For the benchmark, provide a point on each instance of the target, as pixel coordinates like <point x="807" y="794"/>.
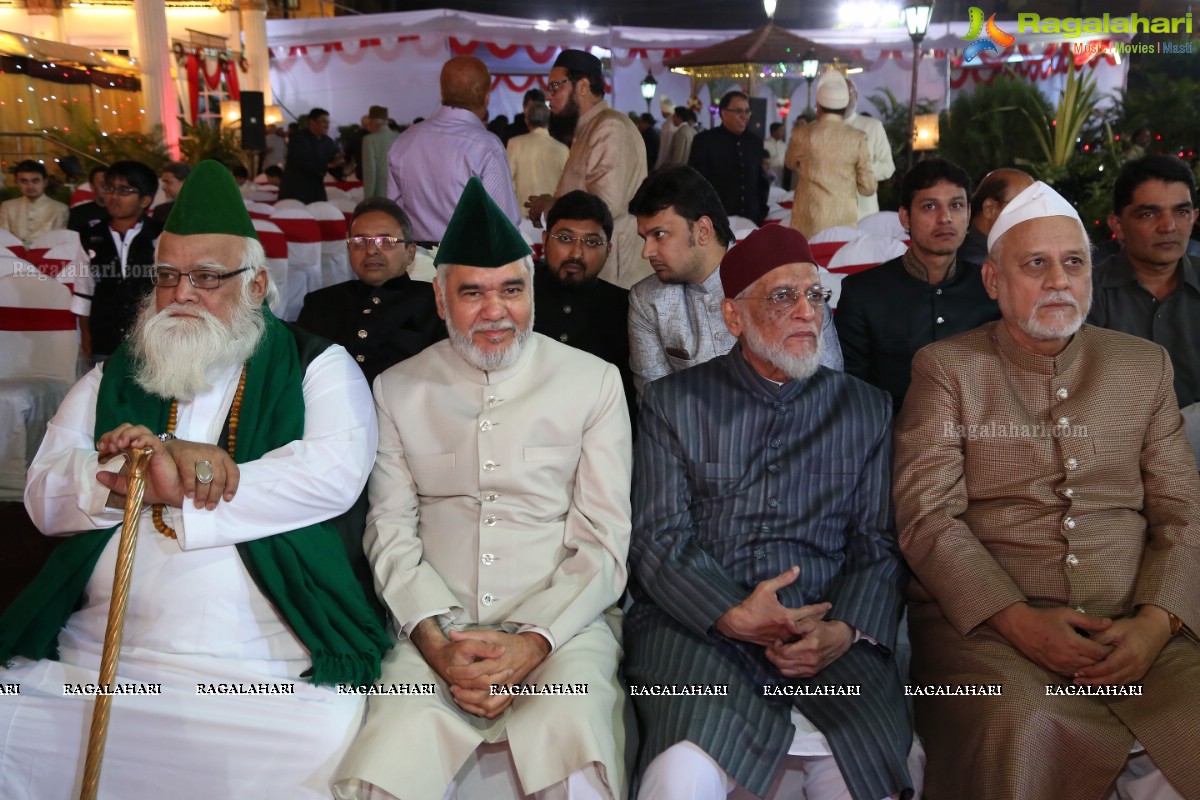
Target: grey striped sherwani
<point x="735" y="480"/>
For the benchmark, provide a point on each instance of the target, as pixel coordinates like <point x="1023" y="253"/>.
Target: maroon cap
<point x="763" y="250"/>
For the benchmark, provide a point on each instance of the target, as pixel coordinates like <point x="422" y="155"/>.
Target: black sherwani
<point x="735" y="480"/>
<point x="592" y="317"/>
<point x="379" y="326"/>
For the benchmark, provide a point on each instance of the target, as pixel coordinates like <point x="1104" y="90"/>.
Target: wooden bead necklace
<point x="235" y="411"/>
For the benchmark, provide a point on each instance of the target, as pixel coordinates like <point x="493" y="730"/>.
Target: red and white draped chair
<point x="265" y="193"/>
<point x="40" y="346"/>
<point x="346" y="205"/>
<point x="84" y="193"/>
<point x="290" y="202"/>
<point x="10" y="242"/>
<point x="882" y="223"/>
<point x="824" y="244"/>
<point x="260" y="210"/>
<point x="335" y="261"/>
<point x="867" y="251"/>
<point x="422" y="268"/>
<point x="303" y="236"/>
<point x="276" y="248"/>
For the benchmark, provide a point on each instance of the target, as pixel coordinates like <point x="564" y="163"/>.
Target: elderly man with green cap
<point x="244" y="611"/>
<point x="498" y="532"/>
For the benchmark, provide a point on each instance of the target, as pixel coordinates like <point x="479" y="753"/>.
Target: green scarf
<point x="305" y="573"/>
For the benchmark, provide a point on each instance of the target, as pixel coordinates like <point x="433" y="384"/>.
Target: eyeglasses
<point x="554" y="86"/>
<point x="384" y="243"/>
<point x="593" y="242"/>
<point x="741" y="112"/>
<point x="167" y="277"/>
<point x="786" y="297"/>
<point x="121" y="191"/>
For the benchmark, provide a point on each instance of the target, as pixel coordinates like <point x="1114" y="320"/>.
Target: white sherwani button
<point x="490" y="520"/>
<point x="1062" y="393"/>
<point x="1073" y="560"/>
<point x="1069" y="523"/>
<point x="488" y="599"/>
<point x="1072" y="463"/>
<point x="487" y="559"/>
<point x="490" y="465"/>
<point x="485" y="426"/>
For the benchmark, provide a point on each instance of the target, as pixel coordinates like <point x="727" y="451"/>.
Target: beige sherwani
<point x="1061" y="480"/>
<point x="536" y="160"/>
<point x="27" y="221"/>
<point x="500" y="500"/>
<point x="833" y="167"/>
<point x="608" y="158"/>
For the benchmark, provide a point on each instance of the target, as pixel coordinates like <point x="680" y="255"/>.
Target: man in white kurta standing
<point x="498" y="532"/>
<point x="243" y="601"/>
<point x="608" y="159"/>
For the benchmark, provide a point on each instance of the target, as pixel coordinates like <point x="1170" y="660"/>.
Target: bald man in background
<point x="995" y="190"/>
<point x="430" y="163"/>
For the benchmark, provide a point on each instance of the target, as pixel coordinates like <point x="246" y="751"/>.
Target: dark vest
<point x="116" y="297"/>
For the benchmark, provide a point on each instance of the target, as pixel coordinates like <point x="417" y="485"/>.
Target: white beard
<point x="176" y="355"/>
<point x="1062" y="326"/>
<point x="796" y="367"/>
<point x="491" y="360"/>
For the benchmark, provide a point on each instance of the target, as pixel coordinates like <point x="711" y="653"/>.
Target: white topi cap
<point x="664" y="103"/>
<point x="832" y="91"/>
<point x="1033" y="202"/>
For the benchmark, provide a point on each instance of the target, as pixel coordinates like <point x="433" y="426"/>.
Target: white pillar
<point x="154" y="56"/>
<point x="254" y="33"/>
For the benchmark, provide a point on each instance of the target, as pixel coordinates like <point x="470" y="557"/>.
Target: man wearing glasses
<point x="764" y="567"/>
<point x="120" y="246"/>
<point x="383" y="316"/>
<point x="574" y="305"/>
<point x="243" y="609"/>
<point x="608" y="158"/>
<point x="731" y="159"/>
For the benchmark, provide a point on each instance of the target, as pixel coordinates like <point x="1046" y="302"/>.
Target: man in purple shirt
<point x="430" y="163"/>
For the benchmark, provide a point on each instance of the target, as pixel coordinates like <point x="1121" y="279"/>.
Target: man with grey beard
<point x="244" y="613"/>
<point x="498" y="531"/>
<point x="1048" y="503"/>
<point x="764" y="559"/>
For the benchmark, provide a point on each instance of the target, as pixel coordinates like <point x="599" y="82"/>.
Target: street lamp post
<point x="808" y="68"/>
<point x="917" y="14"/>
<point x="649" y="87"/>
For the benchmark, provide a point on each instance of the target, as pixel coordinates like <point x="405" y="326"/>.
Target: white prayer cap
<point x="832" y="91"/>
<point x="1035" y="201"/>
<point x="665" y="103"/>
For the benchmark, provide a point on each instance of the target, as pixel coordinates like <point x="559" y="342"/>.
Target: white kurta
<point x="194" y="617"/>
<point x="500" y="500"/>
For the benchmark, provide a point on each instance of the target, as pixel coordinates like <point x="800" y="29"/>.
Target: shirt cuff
<point x="411" y="624"/>
<point x="859" y="636"/>
<point x="543" y="632"/>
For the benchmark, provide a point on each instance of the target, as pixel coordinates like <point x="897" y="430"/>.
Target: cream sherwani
<point x="882" y="164"/>
<point x="536" y="160"/>
<point x="27" y="221"/>
<point x="833" y="167"/>
<point x="608" y="158"/>
<point x="500" y="500"/>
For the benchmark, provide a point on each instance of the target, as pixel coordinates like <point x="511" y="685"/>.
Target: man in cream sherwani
<point x="498" y="532"/>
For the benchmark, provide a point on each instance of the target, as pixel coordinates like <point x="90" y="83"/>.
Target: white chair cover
<point x="882" y="223"/>
<point x="304" y="255"/>
<point x="867" y="250"/>
<point x="276" y="248"/>
<point x="335" y="260"/>
<point x="288" y="203"/>
<point x="422" y="268"/>
<point x="741" y="227"/>
<point x="38" y="365"/>
<point x="777" y="194"/>
<point x="838" y="233"/>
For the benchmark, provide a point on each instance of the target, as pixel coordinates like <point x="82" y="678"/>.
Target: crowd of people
<point x="641" y="516"/>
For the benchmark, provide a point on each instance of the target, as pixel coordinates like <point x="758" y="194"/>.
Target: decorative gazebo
<point x="764" y="54"/>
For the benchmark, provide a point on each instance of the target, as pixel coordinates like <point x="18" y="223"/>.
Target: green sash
<point x="305" y="573"/>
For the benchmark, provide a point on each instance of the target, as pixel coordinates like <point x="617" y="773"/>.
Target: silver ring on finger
<point x="204" y="473"/>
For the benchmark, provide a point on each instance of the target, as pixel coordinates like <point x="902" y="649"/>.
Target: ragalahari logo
<point x="995" y="39"/>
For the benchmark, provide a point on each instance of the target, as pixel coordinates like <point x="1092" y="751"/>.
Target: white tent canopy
<point x="346" y="64"/>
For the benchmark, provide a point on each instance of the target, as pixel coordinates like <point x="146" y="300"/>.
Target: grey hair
<point x="254" y="260"/>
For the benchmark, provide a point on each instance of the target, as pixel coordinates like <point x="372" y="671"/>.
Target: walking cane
<point x="138" y="459"/>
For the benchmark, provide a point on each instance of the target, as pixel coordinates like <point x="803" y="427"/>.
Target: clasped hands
<point x="171" y="472"/>
<point x="1092" y="650"/>
<point x="471" y="661"/>
<point x="798" y="641"/>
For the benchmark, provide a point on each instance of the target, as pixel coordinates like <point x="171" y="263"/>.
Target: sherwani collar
<point x="1034" y="362"/>
<point x="471" y="374"/>
<point x="761" y="386"/>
